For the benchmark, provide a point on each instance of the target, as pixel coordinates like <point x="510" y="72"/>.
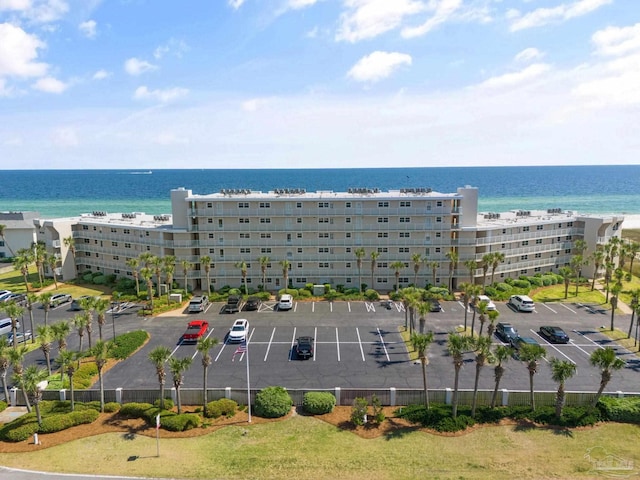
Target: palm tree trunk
<point x="604" y="380"/>
<point x="204" y="391"/>
<point x="72" y="392"/>
<point x="179" y="400"/>
<point x="161" y="395"/>
<point x="424" y="382"/>
<point x="531" y="393"/>
<point x="454" y="401"/>
<point x="475" y="390"/>
<point x="4" y="386"/>
<point x="47" y="357"/>
<point x="26" y="399"/>
<point x="633" y="314"/>
<point x="101" y="390"/>
<point x="560" y="400"/>
<point x="499" y="371"/>
<point x="473" y="321"/>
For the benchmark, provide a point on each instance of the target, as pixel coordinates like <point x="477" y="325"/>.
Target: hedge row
<point x="625" y="410"/>
<point x="128" y="343"/>
<point x="223" y="406"/>
<point x="318" y="403"/>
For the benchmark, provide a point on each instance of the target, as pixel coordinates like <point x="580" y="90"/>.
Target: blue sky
<point x="318" y="83"/>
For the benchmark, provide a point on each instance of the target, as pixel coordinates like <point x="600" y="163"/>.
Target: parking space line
<point x="295" y="307"/>
<point x="208" y="335"/>
<point x="315" y="335"/>
<point x="584" y="336"/>
<point x="293" y="339"/>
<point x="570" y="309"/>
<point x="547" y="306"/>
<point x="370" y="307"/>
<point x="360" y="343"/>
<point x="337" y="344"/>
<point x="176" y="349"/>
<point x="551" y="345"/>
<point x="313" y="307"/>
<point x="266" y="354"/>
<point x="383" y="344"/>
<point x="399" y="306"/>
<point x="224" y="344"/>
<point x="331" y="306"/>
<point x="578" y="347"/>
<point x="349" y="306"/>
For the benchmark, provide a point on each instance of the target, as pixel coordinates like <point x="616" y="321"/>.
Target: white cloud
<point x="101" y="75"/>
<point x="47" y="11"/>
<point x="378" y="65"/>
<point x="298" y="4"/>
<point x="134" y="66"/>
<point x="235" y="4"/>
<point x="163" y="96"/>
<point x="15" y="141"/>
<point x="4" y="90"/>
<point x="168" y="138"/>
<point x="64" y="137"/>
<point x="528" y="54"/>
<point x="617" y="40"/>
<point x="560" y="13"/>
<point x="516" y="78"/>
<point x="254" y="104"/>
<point x="88" y="28"/>
<point x="173" y="46"/>
<point x="15" y="5"/>
<point x="50" y="85"/>
<point x="442" y="11"/>
<point x="18" y="52"/>
<point x="369" y="18"/>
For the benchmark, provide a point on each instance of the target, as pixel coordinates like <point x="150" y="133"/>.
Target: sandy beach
<point x="631" y="222"/>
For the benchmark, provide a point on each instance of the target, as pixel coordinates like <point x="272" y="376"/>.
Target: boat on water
<point x="149" y="172"/>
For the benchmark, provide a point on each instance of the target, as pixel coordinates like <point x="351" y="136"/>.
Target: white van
<point x="5" y="326"/>
<point x="286" y="302"/>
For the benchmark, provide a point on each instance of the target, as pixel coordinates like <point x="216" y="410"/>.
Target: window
<point x="526" y="229"/>
<point x="86" y="240"/>
<point x="85" y="227"/>
<point x="404" y="235"/>
<point x="299" y="205"/>
<point x="212" y="250"/>
<point x="323" y="235"/>
<point x="265" y="250"/>
<point x="114" y="244"/>
<point x="537" y="269"/>
<point x="265" y="235"/>
<point x="523" y="271"/>
<point x="403" y="279"/>
<point x="539" y="227"/>
<point x="438" y="250"/>
<point x="382" y="265"/>
<point x="403" y="250"/>
<point x="211" y="235"/>
<point x="347" y="220"/>
<point x="87" y="254"/>
<point x="265" y="204"/>
<point x="383" y="235"/>
<point x="348" y="265"/>
<point x="323" y="250"/>
<point x="524" y="257"/>
<point x="245" y="250"/>
<point x="438" y="234"/>
<point x="220" y="222"/>
<point x="243" y="204"/>
<point x="438" y="219"/>
<point x="381" y="280"/>
<point x="209" y="205"/>
<point x="265" y="220"/>
<point x="538" y="255"/>
<point x="324" y="220"/>
<point x="126" y="231"/>
<point x="323" y="204"/>
<point x="222" y="252"/>
<point x="245" y="235"/>
<point x="538" y="241"/>
<point x="209" y="220"/>
<point x="383" y="249"/>
<point x="348" y="235"/>
<point x="127" y="245"/>
<point x="569" y="224"/>
<point x="116" y="257"/>
<point x="298" y="220"/>
<point x="113" y="230"/>
<point x="323" y="265"/>
<point x="439" y="203"/>
<point x="525" y="242"/>
<point x="503" y="245"/>
<point x="243" y="220"/>
<point x="299" y="264"/>
<point x="348" y="250"/>
<point x="348" y="280"/>
<point x="383" y="204"/>
<point x="405" y="204"/>
<point x="301" y="280"/>
<point x="383" y="220"/>
<point x="347" y="205"/>
<point x="298" y="235"/>
<point x="405" y="219"/>
<point x="299" y="250"/>
<point x="567" y="250"/>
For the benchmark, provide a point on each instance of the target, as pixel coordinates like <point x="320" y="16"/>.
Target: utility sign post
<point x="158" y="435"/>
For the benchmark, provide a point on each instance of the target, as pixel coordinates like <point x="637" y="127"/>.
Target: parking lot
<point x="357" y="344"/>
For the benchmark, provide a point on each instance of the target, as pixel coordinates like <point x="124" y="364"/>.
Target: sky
<point x="318" y="83"/>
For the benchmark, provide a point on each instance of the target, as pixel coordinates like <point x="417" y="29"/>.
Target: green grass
<point x="555" y="293"/>
<point x="621" y="339"/>
<point x="304" y="447"/>
<point x="13" y="281"/>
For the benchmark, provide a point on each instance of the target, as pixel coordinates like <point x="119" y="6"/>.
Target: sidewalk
<point x="623" y="307"/>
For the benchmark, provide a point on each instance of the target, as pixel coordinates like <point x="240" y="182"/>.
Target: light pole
<point x="113" y="321"/>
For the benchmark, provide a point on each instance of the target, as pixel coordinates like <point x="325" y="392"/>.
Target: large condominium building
<point x="318" y="236"/>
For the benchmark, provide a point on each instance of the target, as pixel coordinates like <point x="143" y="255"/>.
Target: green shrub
<point x="134" y="409"/>
<point x="84" y="376"/>
<point x="535" y="281"/>
<point x="223" y="406"/>
<point x="3" y="405"/>
<point x="273" y="402"/>
<point x="318" y="403"/>
<point x="378" y="412"/>
<point x="128" y="343"/>
<point x="450" y="424"/>
<point x="371" y="295"/>
<point x="180" y="423"/>
<point x="100" y="280"/>
<point x="111" y="407"/>
<point x="620" y="409"/>
<point x="503" y="287"/>
<point x="304" y="293"/>
<point x="524" y="284"/>
<point x="359" y="411"/>
<point x="21" y="432"/>
<point x="56" y="423"/>
<point x="168" y="404"/>
<point x="213" y="410"/>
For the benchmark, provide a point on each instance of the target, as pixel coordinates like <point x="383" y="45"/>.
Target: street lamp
<point x="113" y="321"/>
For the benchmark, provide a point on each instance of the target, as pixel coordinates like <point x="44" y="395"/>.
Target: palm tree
<point x="52" y="263"/>
<point x="63" y="359"/>
<point x="88" y="305"/>
<point x="204" y="346"/>
<point x="598" y="257"/>
<point x="471" y="265"/>
<point x="497" y="259"/>
<point x="156" y="265"/>
<point x="45" y="300"/>
<point x="80" y="322"/>
<point x="474" y="291"/>
<point x="635" y="302"/>
<point x="561" y="371"/>
<point x="45" y="338"/>
<point x="16" y="357"/>
<point x="178" y="366"/>
<point x="608" y="272"/>
<point x="147" y="275"/>
<point x="134" y="264"/>
<point x="159" y="356"/>
<point x="61" y="331"/>
<point x="493" y="316"/>
<point x="70" y="357"/>
<point x="32" y="299"/>
<point x="205" y="262"/>
<point x="374" y="257"/>
<point x="39" y="254"/>
<point x="487" y="260"/>
<point x="433" y="265"/>
<point x="565" y="273"/>
<point x="482" y="315"/>
<point x="100" y="353"/>
<point x="30" y="381"/>
<point x="70" y="243"/>
<point x="632" y="250"/>
<point x="531" y="354"/>
<point x="466" y="298"/>
<point x="14" y="312"/>
<point x="101" y="305"/>
<point x="169" y="268"/>
<point x="576" y="264"/>
<point x="397" y="266"/>
<point x="242" y="265"/>
<point x="482" y="347"/>
<point x="453" y="257"/>
<point x="359" y="253"/>
<point x="186" y="265"/>
<point x="457" y="346"/>
<point x="264" y="264"/>
<point x="4" y="239"/>
<point x="615" y="292"/>
<point x="416" y="258"/>
<point x="607" y="361"/>
<point x="423" y="310"/>
<point x="4" y="365"/>
<point x="285" y="272"/>
<point x="501" y="354"/>
<point x="421" y="344"/>
<point x="21" y="262"/>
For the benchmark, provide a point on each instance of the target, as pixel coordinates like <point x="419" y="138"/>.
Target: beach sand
<point x="631" y="222"/>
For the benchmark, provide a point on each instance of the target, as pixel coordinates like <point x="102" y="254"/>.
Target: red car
<point x="195" y="330"/>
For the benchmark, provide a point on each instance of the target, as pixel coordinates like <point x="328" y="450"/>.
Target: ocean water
<point x="61" y="193"/>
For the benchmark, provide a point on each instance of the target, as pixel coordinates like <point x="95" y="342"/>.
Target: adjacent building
<point x="18" y="232"/>
<point x="316" y="235"/>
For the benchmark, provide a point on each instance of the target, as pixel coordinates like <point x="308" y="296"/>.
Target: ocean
<point x="63" y="193"/>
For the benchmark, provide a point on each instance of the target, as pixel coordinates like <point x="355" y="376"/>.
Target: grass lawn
<point x="621" y="339"/>
<point x="13" y="281"/>
<point x="555" y="293"/>
<point x="305" y="447"/>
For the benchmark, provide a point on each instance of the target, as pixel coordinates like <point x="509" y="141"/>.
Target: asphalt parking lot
<point x="357" y="344"/>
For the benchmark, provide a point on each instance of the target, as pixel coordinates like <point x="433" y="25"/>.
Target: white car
<point x="20" y="337"/>
<point x="4" y="294"/>
<point x="286" y="302"/>
<point x="238" y="331"/>
<point x="522" y="303"/>
<point x="490" y="304"/>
